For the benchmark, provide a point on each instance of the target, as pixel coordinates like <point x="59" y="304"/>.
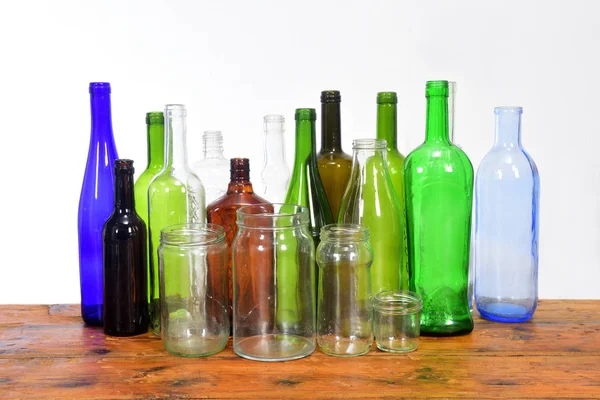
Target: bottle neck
<point x="508" y="130"/>
<point x="175" y="152"/>
<point x="387" y="118"/>
<point x="124" y="198"/>
<point x="240" y="182"/>
<point x="213" y="146"/>
<point x="156" y="145"/>
<point x="305" y="143"/>
<point x="437" y="119"/>
<point x="101" y="116"/>
<point x="274" y="149"/>
<point x="331" y="134"/>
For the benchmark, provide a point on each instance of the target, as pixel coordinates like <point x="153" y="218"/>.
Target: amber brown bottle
<point x="124" y="258"/>
<point x="334" y="165"/>
<point x="223" y="210"/>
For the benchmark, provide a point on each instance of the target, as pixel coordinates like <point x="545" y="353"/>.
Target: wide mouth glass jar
<point x="397" y="320"/>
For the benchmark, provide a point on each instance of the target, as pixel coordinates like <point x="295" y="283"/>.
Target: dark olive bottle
<point x="334" y="165"/>
<point x="124" y="257"/>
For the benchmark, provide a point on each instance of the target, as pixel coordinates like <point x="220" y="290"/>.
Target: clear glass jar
<point x="193" y="289"/>
<point x="397" y="320"/>
<point x="273" y="283"/>
<point x="344" y="310"/>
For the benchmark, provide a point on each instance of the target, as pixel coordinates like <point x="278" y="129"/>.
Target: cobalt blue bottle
<point x="96" y="203"/>
<point x="507" y="195"/>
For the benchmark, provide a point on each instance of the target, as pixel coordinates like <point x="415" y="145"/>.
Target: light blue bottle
<point x="507" y="192"/>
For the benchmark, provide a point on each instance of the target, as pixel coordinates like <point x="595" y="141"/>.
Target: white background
<point x="231" y="62"/>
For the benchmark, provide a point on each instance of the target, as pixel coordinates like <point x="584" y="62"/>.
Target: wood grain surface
<point x="47" y="352"/>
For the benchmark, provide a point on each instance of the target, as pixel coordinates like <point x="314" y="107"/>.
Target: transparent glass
<point x="396" y="321"/>
<point x="213" y="169"/>
<point x="274" y="292"/>
<point x="451" y="108"/>
<point x="96" y="203"/>
<point x="438" y="180"/>
<point x="370" y="200"/>
<point x="344" y="309"/>
<point x="155" y="128"/>
<point x="334" y="165"/>
<point x="507" y="195"/>
<point x="175" y="196"/>
<point x="193" y="289"/>
<point x="276" y="173"/>
<point x="387" y="129"/>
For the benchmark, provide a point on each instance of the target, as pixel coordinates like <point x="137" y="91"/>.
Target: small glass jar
<point x="344" y="311"/>
<point x="193" y="289"/>
<point x="273" y="283"/>
<point x="397" y="321"/>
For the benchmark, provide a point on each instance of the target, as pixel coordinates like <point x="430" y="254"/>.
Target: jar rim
<point x="401" y="301"/>
<point x="345" y="232"/>
<point x="369" y="144"/>
<point x="192" y="234"/>
<point x="272" y="216"/>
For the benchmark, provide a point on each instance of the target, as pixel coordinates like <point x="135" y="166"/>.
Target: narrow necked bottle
<point x="125" y="267"/>
<point x="155" y="132"/>
<point x="223" y="210"/>
<point x="334" y="164"/>
<point x="438" y="179"/>
<point x="387" y="116"/>
<point x="175" y="196"/>
<point x="96" y="203"/>
<point x="306" y="188"/>
<point x="213" y="169"/>
<point x="507" y="194"/>
<point x="276" y="173"/>
<point x="370" y="200"/>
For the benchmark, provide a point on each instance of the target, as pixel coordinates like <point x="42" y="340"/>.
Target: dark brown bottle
<point x="223" y="210"/>
<point x="124" y="257"/>
<point x="334" y="165"/>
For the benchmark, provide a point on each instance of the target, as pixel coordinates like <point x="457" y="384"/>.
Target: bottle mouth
<point x="175" y="109"/>
<point x="192" y="234"/>
<point x="99" y="88"/>
<point x="155" y="118"/>
<point x="436" y="88"/>
<point x="331" y="96"/>
<point x="239" y="165"/>
<point x="402" y="302"/>
<point x="306" y="114"/>
<point x="272" y="216"/>
<point x="508" y="110"/>
<point x="124" y="165"/>
<point x="345" y="233"/>
<point x="387" y="98"/>
<point x="275" y="118"/>
<point x="369" y="144"/>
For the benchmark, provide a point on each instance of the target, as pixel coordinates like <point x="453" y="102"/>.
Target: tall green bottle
<point x="439" y="192"/>
<point x="305" y="189"/>
<point x="387" y="116"/>
<point x="155" y="126"/>
<point x="334" y="165"/>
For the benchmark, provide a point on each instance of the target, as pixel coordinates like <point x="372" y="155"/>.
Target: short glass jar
<point x="274" y="292"/>
<point x="397" y="320"/>
<point x="344" y="310"/>
<point x="193" y="289"/>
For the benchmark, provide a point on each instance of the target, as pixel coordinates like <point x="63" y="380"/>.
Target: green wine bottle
<point x="155" y="126"/>
<point x="387" y="130"/>
<point x="438" y="179"/>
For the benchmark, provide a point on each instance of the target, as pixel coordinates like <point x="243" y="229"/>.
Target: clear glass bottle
<point x="276" y="173"/>
<point x="273" y="322"/>
<point x="155" y="128"/>
<point x="438" y="179"/>
<point x="334" y="164"/>
<point x="387" y="129"/>
<point x="213" y="169"/>
<point x="175" y="196"/>
<point x="193" y="289"/>
<point x="507" y="196"/>
<point x="370" y="200"/>
<point x="125" y="266"/>
<point x="344" y="309"/>
<point x="96" y="203"/>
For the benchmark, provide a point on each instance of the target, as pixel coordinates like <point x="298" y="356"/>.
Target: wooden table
<point x="47" y="352"/>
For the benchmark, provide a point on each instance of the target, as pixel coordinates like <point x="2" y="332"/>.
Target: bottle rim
<point x="345" y="233"/>
<point x="175" y="109"/>
<point x="155" y="118"/>
<point x="402" y="302"/>
<point x="192" y="234"/>
<point x="387" y="98"/>
<point x="99" y="88"/>
<point x="508" y="110"/>
<point x="369" y="144"/>
<point x="272" y="216"/>
<point x="274" y="118"/>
